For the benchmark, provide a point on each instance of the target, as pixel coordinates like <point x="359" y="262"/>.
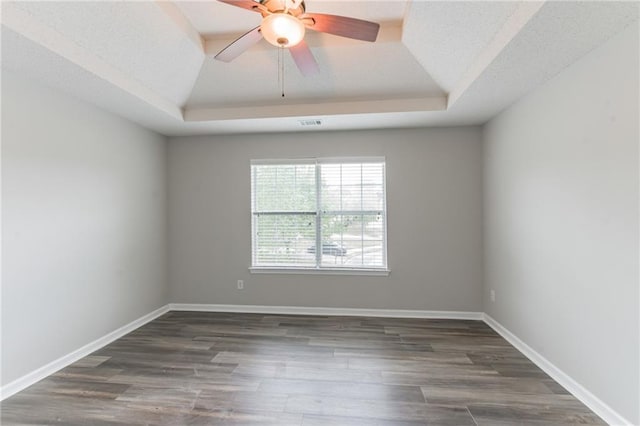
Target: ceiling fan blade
<point x="245" y="4"/>
<point x="342" y="26"/>
<point x="238" y="46"/>
<point x="304" y="59"/>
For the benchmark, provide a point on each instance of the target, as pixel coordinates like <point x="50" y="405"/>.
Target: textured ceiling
<point x="138" y="38"/>
<point x="428" y="34"/>
<point x="435" y="63"/>
<point x="557" y="36"/>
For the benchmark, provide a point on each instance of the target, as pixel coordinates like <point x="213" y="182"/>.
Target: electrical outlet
<point x="240" y="285"/>
<point x="493" y="295"/>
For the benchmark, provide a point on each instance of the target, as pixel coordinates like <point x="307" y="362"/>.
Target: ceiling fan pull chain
<point x="281" y="64"/>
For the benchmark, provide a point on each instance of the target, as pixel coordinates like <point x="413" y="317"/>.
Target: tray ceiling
<point x="434" y="63"/>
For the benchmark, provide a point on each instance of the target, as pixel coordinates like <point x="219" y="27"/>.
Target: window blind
<point x="321" y="213"/>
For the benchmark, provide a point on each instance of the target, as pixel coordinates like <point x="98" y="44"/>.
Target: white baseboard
<point x="594" y="403"/>
<point x="46" y="370"/>
<point x="309" y="310"/>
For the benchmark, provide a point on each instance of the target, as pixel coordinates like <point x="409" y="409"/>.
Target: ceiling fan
<point x="283" y="25"/>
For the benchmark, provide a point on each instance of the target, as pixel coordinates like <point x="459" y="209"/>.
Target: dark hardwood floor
<point x="191" y="368"/>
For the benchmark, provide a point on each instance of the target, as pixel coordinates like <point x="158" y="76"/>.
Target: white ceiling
<point x="434" y="63"/>
<point x="428" y="34"/>
<point x="138" y="38"/>
<point x="375" y="73"/>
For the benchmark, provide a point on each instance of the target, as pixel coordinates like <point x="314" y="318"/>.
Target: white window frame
<point x="318" y="269"/>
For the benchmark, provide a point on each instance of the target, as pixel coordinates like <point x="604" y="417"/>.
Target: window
<point x="319" y="214"/>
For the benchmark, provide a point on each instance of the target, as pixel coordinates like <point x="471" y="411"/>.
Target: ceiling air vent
<point x="309" y="123"/>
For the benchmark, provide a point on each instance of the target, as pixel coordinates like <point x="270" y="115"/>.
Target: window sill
<point x="323" y="271"/>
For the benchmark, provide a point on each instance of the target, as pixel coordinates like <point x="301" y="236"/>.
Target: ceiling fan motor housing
<point x="290" y="6"/>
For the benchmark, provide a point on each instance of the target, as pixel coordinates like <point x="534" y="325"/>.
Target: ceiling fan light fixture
<point x="282" y="29"/>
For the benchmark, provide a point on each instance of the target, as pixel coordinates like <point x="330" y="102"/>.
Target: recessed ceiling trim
<point x="516" y="22"/>
<point x="317" y="109"/>
<point x="26" y="25"/>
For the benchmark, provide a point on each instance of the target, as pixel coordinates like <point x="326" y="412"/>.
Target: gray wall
<point x="83" y="224"/>
<point x="561" y="221"/>
<point x="434" y="196"/>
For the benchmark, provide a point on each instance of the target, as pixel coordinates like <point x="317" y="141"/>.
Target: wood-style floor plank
<point x="198" y="368"/>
